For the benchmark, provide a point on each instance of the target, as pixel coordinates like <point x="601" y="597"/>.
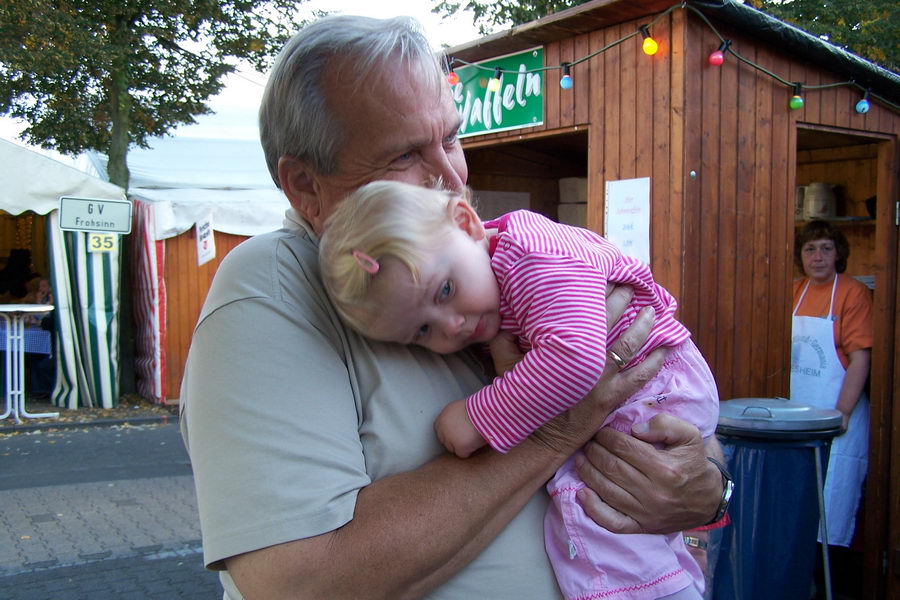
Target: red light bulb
<point x="716" y="58"/>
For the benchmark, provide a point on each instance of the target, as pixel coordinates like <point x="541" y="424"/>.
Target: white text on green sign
<point x="518" y="103"/>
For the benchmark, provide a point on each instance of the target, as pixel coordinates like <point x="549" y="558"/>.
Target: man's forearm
<point x="409" y="532"/>
<point x="412" y="531"/>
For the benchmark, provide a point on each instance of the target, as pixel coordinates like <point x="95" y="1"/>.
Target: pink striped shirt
<point x="553" y="297"/>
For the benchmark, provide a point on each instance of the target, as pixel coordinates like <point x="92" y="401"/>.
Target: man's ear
<point x="299" y="185"/>
<point x="466" y="218"/>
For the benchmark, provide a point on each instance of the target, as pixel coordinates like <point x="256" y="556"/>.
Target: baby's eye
<point x="421" y="333"/>
<point x="445" y="291"/>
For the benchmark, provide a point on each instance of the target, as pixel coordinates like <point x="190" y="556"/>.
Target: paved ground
<point x="99" y="512"/>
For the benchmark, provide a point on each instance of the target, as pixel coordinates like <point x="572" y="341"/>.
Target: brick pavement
<point x="171" y="575"/>
<point x="107" y="536"/>
<point x="59" y="525"/>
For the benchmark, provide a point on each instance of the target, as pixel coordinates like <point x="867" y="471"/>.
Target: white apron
<point x="816" y="378"/>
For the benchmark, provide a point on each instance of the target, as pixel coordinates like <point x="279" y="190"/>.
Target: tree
<point x="490" y="15"/>
<point x="869" y="28"/>
<point x="106" y="74"/>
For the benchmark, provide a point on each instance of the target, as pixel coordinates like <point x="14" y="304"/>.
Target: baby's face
<point x="455" y="302"/>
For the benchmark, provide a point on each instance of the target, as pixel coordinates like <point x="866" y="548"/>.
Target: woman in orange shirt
<point x="831" y="350"/>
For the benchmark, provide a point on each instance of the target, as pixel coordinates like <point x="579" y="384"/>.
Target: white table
<point x="15" y="316"/>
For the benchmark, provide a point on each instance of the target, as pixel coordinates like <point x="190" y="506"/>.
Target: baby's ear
<point x="466" y="218"/>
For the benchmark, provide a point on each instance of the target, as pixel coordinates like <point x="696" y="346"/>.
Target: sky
<point x="235" y="108"/>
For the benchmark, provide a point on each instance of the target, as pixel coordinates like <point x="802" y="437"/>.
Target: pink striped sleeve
<point x="559" y="303"/>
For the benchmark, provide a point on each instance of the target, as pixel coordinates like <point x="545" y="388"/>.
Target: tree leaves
<point x="869" y="28"/>
<point x="77" y="71"/>
<point x="493" y="14"/>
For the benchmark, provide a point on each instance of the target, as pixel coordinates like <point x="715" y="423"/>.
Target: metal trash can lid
<point x="775" y="415"/>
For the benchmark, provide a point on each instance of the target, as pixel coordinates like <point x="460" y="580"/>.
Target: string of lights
<point x="650" y="47"/>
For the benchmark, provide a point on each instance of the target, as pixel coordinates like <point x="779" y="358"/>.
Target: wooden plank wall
<point x="735" y="208"/>
<point x="186" y="289"/>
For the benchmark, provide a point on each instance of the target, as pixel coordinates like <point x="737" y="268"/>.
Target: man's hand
<point x="505" y="352"/>
<point x="456" y="432"/>
<point x="633" y="487"/>
<point x="578" y="423"/>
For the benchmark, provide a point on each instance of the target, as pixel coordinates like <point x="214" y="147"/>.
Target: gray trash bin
<point x="773" y="448"/>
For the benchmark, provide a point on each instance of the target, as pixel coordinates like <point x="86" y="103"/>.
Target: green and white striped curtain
<point x="86" y="296"/>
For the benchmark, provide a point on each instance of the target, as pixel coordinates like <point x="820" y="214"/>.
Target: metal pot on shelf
<point x="819" y="200"/>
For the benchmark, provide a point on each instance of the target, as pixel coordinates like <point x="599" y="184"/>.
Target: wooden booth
<point x="723" y="154"/>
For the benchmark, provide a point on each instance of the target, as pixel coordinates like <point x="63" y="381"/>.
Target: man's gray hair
<point x="294" y="119"/>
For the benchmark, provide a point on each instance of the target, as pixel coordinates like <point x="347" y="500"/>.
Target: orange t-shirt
<point x="853" y="328"/>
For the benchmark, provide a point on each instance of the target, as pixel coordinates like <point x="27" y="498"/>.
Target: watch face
<point x="726" y="493"/>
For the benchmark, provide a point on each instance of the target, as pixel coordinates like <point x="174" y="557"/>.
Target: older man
<point x="317" y="470"/>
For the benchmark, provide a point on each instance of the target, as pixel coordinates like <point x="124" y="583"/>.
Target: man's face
<point x="400" y="128"/>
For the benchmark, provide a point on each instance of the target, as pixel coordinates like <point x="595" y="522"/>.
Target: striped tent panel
<point x="149" y="304"/>
<point x="86" y="291"/>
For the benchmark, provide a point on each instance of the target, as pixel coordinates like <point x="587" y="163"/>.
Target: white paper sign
<point x="206" y="241"/>
<point x="628" y="216"/>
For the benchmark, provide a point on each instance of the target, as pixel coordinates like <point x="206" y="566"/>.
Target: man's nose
<point x="440" y="166"/>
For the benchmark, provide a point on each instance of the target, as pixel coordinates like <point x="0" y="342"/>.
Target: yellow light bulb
<point x="649" y="46"/>
<point x="494" y="85"/>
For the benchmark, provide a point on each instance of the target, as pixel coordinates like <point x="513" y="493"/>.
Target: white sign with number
<point x="92" y="214"/>
<point x="206" y="241"/>
<point x="103" y="242"/>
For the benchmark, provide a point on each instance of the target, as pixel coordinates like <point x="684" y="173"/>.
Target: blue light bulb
<point x="566" y="82"/>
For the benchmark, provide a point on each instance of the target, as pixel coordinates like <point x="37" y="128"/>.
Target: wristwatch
<point x="727" y="490"/>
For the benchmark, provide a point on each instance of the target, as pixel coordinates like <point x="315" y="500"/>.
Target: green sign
<point x="518" y="103"/>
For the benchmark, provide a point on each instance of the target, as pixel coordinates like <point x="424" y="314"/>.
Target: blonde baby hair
<point x="382" y="219"/>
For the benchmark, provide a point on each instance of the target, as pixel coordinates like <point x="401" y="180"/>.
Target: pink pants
<point x="589" y="561"/>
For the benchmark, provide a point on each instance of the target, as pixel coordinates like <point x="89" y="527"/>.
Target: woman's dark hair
<point x="822" y="230"/>
<point x="17" y="273"/>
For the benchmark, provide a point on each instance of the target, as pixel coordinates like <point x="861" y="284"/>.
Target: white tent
<point x="176" y="183"/>
<point x="186" y="179"/>
<point x="85" y="284"/>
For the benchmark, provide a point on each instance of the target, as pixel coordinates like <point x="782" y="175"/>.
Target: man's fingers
<point x="631" y="340"/>
<point x="666" y="430"/>
<point x="604" y="473"/>
<point x="617" y="300"/>
<point x="605" y="515"/>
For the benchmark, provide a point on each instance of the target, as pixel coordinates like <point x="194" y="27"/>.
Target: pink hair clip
<point x="369" y="264"/>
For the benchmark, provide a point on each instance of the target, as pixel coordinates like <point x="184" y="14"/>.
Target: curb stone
<point x="23" y="427"/>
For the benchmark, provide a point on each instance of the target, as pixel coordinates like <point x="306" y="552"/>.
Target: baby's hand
<point x="456" y="432"/>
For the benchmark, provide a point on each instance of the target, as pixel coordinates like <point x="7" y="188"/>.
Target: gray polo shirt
<point x="287" y="415"/>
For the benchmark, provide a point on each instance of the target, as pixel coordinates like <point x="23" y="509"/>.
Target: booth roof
<point x="35" y="182"/>
<point x="188" y="179"/>
<point x="238" y="212"/>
